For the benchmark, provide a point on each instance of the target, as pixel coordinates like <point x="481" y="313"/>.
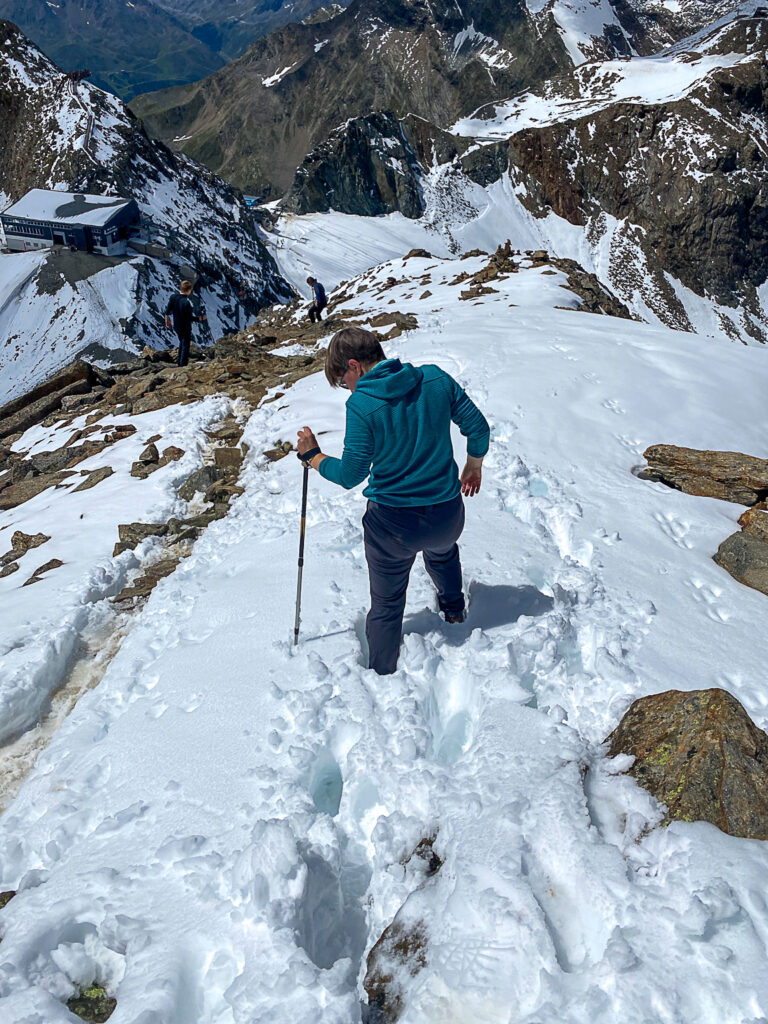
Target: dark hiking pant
<point x="314" y="312"/>
<point x="185" y="339"/>
<point x="393" y="538"/>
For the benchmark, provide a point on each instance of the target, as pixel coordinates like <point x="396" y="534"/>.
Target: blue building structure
<point x="44" y="218"/>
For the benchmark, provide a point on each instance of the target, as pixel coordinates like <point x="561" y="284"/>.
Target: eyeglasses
<point x="343" y="375"/>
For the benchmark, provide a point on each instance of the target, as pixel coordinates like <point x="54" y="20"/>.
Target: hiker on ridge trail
<point x="319" y="300"/>
<point x="183" y="312"/>
<point x="398" y="431"/>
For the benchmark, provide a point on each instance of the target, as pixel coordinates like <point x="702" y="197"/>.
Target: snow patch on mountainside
<point x="649" y="80"/>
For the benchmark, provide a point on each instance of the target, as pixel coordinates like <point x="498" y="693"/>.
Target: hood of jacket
<point x="389" y="380"/>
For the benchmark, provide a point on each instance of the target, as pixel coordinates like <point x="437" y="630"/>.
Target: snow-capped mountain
<point x="651" y="172"/>
<point x="255" y="120"/>
<point x="86" y="141"/>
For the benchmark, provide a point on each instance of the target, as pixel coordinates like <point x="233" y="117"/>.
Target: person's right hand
<point x="471" y="477"/>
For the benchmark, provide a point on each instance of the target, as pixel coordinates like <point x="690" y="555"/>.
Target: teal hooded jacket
<point x="398" y="432"/>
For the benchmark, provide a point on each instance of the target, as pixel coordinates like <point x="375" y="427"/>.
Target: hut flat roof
<point x="66" y="207"/>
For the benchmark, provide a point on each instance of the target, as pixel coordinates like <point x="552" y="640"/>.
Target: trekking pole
<point x="301" y="549"/>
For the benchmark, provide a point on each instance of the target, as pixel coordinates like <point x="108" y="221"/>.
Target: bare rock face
<point x="730" y="476"/>
<point x="701" y="755"/>
<point x="755" y="521"/>
<point x="371" y="165"/>
<point x="745" y="556"/>
<point x="75" y="379"/>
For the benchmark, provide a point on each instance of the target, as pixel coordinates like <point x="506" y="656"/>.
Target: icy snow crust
<point x="221" y="829"/>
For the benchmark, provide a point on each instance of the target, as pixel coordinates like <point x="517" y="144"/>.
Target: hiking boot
<point x="455" y="616"/>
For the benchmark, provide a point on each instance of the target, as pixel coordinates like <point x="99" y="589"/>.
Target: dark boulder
<point x="745" y="556"/>
<point x="699" y="753"/>
<point x="201" y="480"/>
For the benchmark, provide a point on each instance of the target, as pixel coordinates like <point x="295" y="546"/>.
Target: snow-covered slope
<point x="224" y="827"/>
<point x="86" y="140"/>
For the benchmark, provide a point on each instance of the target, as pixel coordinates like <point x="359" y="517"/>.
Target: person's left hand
<point x="307" y="441"/>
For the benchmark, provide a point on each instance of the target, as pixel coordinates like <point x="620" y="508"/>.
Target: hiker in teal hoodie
<point x="398" y="434"/>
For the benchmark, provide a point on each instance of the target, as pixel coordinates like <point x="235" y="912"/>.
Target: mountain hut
<point x="44" y="218"/>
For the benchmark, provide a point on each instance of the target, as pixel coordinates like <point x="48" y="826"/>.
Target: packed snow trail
<point x="222" y="829"/>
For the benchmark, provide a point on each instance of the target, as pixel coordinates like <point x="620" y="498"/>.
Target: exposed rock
<point x="22" y="542"/>
<point x="120" y="431"/>
<point x="172" y="453"/>
<point x="425" y="855"/>
<point x="156" y="355"/>
<point x="400" y="322"/>
<point x="200" y="480"/>
<point x="256" y="136"/>
<point x="729" y="476"/>
<point x="701" y="755"/>
<point x="745" y="556"/>
<point x="141" y="470"/>
<point x="92" y="1004"/>
<point x="6" y="897"/>
<point x="401" y="950"/>
<point x="275" y="454"/>
<point x="150" y="454"/>
<point x="94" y="477"/>
<point x="418" y="254"/>
<point x="22" y="412"/>
<point x="221" y="491"/>
<point x="131" y="534"/>
<point x="8" y="568"/>
<point x="146" y="582"/>
<point x="755" y="521"/>
<point x="18" y="493"/>
<point x="228" y="458"/>
<point x="37" y="575"/>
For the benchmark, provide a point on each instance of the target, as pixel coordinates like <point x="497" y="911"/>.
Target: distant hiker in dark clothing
<point x="319" y="300"/>
<point x="398" y="432"/>
<point x="183" y="312"/>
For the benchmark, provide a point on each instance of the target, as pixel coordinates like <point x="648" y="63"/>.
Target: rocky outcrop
<point x="701" y="755"/>
<point x="370" y="166"/>
<point x="755" y="521"/>
<point x="730" y="476"/>
<point x="76" y="379"/>
<point x="37" y="575"/>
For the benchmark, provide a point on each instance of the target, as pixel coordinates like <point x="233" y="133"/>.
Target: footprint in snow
<point x="676" y="529"/>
